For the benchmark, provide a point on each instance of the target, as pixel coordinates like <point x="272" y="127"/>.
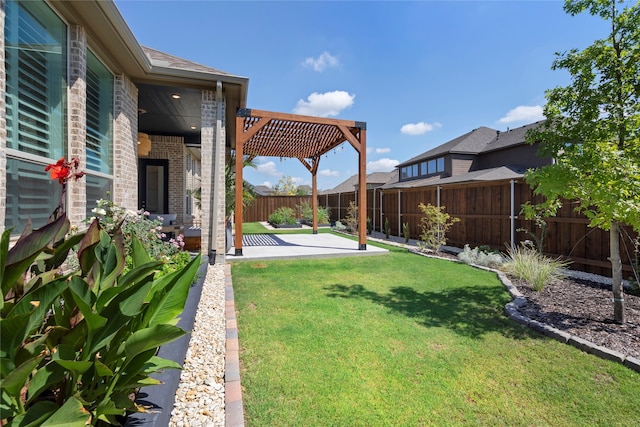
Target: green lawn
<point x="403" y="340"/>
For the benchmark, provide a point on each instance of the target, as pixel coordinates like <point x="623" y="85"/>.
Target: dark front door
<point x="153" y="185"/>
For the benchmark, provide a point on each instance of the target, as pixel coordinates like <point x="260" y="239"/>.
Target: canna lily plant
<point x="77" y="345"/>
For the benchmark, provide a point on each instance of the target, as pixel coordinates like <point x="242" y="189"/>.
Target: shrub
<point x="351" y="220"/>
<point x="405" y="232"/>
<point x="526" y="263"/>
<point x="435" y="224"/>
<point x="77" y="345"/>
<point x="283" y="216"/>
<point x="306" y="213"/>
<point x="369" y="226"/>
<point x="149" y="232"/>
<point x="479" y="256"/>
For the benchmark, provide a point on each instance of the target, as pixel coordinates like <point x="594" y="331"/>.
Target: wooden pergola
<point x="306" y="138"/>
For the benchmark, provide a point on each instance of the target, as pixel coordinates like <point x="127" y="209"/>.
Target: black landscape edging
<point x="162" y="397"/>
<point x="286" y="225"/>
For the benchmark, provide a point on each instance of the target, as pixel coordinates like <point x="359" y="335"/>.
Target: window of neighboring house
<point x="440" y="164"/>
<point x="36" y="85"/>
<point x="431" y="167"/>
<point x="414" y="170"/>
<point x="99" y="166"/>
<point x="423" y="168"/>
<point x="403" y="173"/>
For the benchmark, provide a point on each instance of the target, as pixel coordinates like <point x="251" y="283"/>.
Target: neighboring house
<point x="374" y="180"/>
<point x="149" y="128"/>
<point x="263" y="190"/>
<point x="483" y="154"/>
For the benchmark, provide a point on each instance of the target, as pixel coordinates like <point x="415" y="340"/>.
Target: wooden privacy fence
<point x="263" y="206"/>
<point x="489" y="215"/>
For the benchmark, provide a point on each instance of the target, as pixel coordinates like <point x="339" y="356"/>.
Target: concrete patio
<point x="291" y="246"/>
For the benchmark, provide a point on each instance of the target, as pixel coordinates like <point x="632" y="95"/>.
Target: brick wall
<point x="125" y="144"/>
<point x="172" y="149"/>
<point x="77" y="119"/>
<point x="3" y="123"/>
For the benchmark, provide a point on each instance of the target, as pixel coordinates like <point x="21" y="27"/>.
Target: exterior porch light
<point x="144" y="144"/>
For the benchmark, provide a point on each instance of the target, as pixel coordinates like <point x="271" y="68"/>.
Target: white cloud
<point x="325" y="60"/>
<point x="383" y="150"/>
<point x="328" y="172"/>
<point x="297" y="180"/>
<point x="419" y="128"/>
<point x="268" y="184"/>
<point x="268" y="168"/>
<point x="383" y="165"/>
<point x="324" y="104"/>
<point x="522" y="113"/>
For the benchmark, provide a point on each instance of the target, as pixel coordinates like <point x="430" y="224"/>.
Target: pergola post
<point x="238" y="180"/>
<point x="362" y="194"/>
<point x="314" y="193"/>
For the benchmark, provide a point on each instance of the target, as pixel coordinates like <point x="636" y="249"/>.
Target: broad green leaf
<point x="139" y="255"/>
<point x="86" y="249"/>
<point x="35" y="415"/>
<point x="50" y="374"/>
<point x="106" y="409"/>
<point x="26" y="250"/>
<point x="62" y="251"/>
<point x="31" y="310"/>
<point x="114" y="262"/>
<point x="102" y="370"/>
<point x="167" y="303"/>
<point x="71" y="414"/>
<point x="158" y="363"/>
<point x="19" y="376"/>
<point x="152" y="337"/>
<point x="78" y="367"/>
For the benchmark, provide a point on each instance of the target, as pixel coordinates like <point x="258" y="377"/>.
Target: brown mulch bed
<point x="585" y="309"/>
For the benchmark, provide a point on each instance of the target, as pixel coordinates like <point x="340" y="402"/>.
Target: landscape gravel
<point x="199" y="399"/>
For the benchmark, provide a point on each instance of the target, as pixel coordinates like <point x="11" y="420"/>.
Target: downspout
<point x="513" y="212"/>
<point x="373" y="214"/>
<point x="381" y="223"/>
<point x="218" y="184"/>
<point x="399" y="210"/>
<point x="438" y="203"/>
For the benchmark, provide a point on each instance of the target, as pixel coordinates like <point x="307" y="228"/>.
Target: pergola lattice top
<point x="306" y="138"/>
<point x="293" y="136"/>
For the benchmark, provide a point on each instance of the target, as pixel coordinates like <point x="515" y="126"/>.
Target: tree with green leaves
<point x="592" y="130"/>
<point x="286" y="186"/>
<point x="248" y="190"/>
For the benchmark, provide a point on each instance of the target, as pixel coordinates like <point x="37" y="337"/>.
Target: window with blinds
<point x="36" y="80"/>
<point x="99" y="115"/>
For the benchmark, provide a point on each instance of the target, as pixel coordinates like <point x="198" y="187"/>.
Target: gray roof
<point x="263" y="190"/>
<point x="351" y="183"/>
<point x="493" y="174"/>
<point x="510" y="138"/>
<point x="165" y="60"/>
<point x="470" y="143"/>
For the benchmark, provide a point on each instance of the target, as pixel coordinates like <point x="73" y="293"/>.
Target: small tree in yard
<point x="435" y="224"/>
<point x="593" y="131"/>
<point x="351" y="220"/>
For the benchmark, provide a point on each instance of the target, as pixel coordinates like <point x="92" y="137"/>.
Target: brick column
<point x="208" y="116"/>
<point x="77" y="114"/>
<point x="125" y="143"/>
<point x="3" y="123"/>
<point x="218" y="177"/>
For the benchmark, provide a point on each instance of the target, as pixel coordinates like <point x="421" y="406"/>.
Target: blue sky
<point x="418" y="73"/>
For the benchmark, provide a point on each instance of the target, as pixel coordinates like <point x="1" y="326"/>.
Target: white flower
<point x="99" y="211"/>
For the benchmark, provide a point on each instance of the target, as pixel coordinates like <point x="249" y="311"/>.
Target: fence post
<point x="438" y="202"/>
<point x="381" y="223"/>
<point x="513" y="212"/>
<point x="399" y="213"/>
<point x="373" y="213"/>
